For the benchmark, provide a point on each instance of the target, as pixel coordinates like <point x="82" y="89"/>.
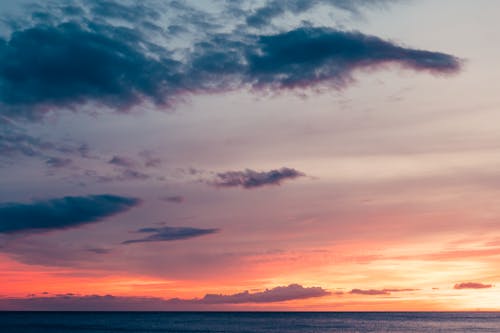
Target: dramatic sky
<point x="241" y="155"/>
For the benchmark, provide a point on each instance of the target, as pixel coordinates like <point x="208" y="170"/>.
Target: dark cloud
<point x="309" y="56"/>
<point x="66" y="65"/>
<point x="170" y="234"/>
<point x="251" y="179"/>
<point x="122" y="161"/>
<point x="374" y="292"/>
<point x="277" y="294"/>
<point x="74" y="302"/>
<point x="471" y="285"/>
<point x="61" y="213"/>
<point x="174" y="199"/>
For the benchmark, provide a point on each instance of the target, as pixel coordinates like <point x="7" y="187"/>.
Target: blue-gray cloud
<point x="263" y="15"/>
<point x="252" y="179"/>
<point x="310" y="56"/>
<point x="61" y="213"/>
<point x="54" y="65"/>
<point x="168" y="234"/>
<point x="16" y="140"/>
<point x="68" y="64"/>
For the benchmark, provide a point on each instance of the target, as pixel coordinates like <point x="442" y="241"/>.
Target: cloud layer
<point x="61" y="213"/>
<point x="108" y="302"/>
<point x="252" y="179"/>
<point x="51" y="65"/>
<point x="168" y="234"/>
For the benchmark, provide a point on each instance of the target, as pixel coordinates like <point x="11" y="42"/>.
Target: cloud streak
<point x="375" y="292"/>
<point x="168" y="234"/>
<point x="471" y="285"/>
<point x="61" y="213"/>
<point x="250" y="179"/>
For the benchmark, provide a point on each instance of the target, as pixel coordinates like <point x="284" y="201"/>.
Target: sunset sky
<point x="249" y="155"/>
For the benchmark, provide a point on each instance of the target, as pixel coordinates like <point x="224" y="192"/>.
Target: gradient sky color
<point x="249" y="155"/>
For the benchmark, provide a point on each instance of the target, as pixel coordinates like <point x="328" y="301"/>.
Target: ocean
<point x="247" y="322"/>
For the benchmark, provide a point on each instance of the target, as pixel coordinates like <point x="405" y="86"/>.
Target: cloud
<point x="16" y="140"/>
<point x="374" y="292"/>
<point x="471" y="285"/>
<point x="309" y="56"/>
<point x="368" y="292"/>
<point x="67" y="65"/>
<point x="75" y="302"/>
<point x="49" y="65"/>
<point x="61" y="213"/>
<point x="122" y="161"/>
<point x="275" y="8"/>
<point x="277" y="294"/>
<point x="168" y="234"/>
<point x="252" y="179"/>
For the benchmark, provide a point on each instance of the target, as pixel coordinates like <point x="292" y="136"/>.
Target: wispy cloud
<point x="252" y="179"/>
<point x="374" y="292"/>
<point x="168" y="234"/>
<point x="471" y="285"/>
<point x="264" y="15"/>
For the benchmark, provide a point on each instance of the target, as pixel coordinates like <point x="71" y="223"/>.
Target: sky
<point x="249" y="155"/>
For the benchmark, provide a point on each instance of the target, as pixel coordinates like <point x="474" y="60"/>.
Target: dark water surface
<point x="239" y="322"/>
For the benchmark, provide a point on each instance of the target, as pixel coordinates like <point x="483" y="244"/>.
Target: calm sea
<point x="239" y="322"/>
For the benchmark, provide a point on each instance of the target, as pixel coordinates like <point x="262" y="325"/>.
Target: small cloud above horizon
<point x="168" y="234"/>
<point x="472" y="285"/>
<point x="250" y="179"/>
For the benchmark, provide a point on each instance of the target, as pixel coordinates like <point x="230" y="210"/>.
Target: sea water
<point x="240" y="322"/>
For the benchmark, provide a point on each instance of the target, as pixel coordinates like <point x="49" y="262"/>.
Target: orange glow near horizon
<point x="419" y="279"/>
